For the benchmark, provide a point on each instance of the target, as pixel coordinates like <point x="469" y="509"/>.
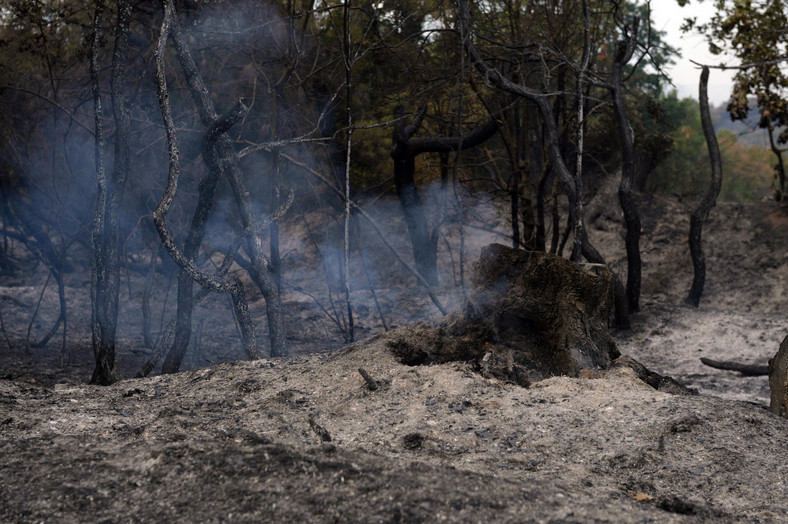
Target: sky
<point x="668" y="16"/>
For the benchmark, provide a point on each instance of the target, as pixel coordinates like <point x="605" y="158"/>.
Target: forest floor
<point x="305" y="439"/>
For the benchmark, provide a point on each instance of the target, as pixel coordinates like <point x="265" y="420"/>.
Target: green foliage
<point x="754" y="31"/>
<point x="747" y="170"/>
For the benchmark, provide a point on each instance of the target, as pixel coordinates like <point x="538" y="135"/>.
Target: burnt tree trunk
<point x="105" y="276"/>
<point x="626" y="196"/>
<point x="709" y="199"/>
<point x="538" y="176"/>
<point x="580" y="236"/>
<point x="779" y="167"/>
<point x="183" y="317"/>
<point x="404" y="150"/>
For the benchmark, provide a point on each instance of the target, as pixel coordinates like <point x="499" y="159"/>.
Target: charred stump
<point x="530" y="315"/>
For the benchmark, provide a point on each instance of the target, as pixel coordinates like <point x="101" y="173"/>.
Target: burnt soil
<point x="305" y="439"/>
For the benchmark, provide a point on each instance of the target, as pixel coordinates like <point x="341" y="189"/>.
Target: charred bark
<point x="207" y="191"/>
<point x="779" y="167"/>
<point x="215" y="283"/>
<point x="580" y="236"/>
<point x="105" y="238"/>
<point x="709" y="199"/>
<point x="538" y="175"/>
<point x="747" y="370"/>
<point x="626" y="196"/>
<point x="404" y="150"/>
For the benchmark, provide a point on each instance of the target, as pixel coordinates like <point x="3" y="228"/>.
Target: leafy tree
<point x="754" y="32"/>
<point x="685" y="170"/>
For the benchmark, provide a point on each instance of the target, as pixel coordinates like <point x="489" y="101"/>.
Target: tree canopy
<point x="754" y="33"/>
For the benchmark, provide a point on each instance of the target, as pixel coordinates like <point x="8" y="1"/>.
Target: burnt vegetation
<point x="261" y="175"/>
<point x="392" y="261"/>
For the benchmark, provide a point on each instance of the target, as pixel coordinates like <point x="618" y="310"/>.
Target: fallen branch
<point x="371" y="382"/>
<point x="747" y="370"/>
<point x="319" y="430"/>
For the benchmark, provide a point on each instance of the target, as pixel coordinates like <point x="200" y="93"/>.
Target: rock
<point x="530" y="315"/>
<point x="778" y="381"/>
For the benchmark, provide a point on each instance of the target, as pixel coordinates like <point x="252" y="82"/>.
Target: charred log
<point x="748" y="370"/>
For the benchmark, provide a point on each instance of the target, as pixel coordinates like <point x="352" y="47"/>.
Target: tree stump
<point x="530" y="315"/>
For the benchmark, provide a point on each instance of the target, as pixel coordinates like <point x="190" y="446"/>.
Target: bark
<point x="207" y="191"/>
<point x="514" y="199"/>
<point x="538" y="177"/>
<point x="578" y="227"/>
<point x="626" y="196"/>
<point x="227" y="161"/>
<point x="105" y="274"/>
<point x="404" y="150"/>
<point x="709" y="199"/>
<point x="348" y="150"/>
<point x="779" y="167"/>
<point x="747" y="370"/>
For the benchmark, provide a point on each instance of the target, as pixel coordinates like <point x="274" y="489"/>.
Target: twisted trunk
<point x="709" y="199"/>
<point x="626" y="196"/>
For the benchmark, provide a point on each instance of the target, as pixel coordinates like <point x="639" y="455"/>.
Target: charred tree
<point x="538" y="175"/>
<point x="779" y="167"/>
<point x="578" y="226"/>
<point x="223" y="162"/>
<point x="217" y="283"/>
<point x="206" y="192"/>
<point x="404" y="151"/>
<point x="105" y="238"/>
<point x="625" y="49"/>
<point x="709" y="199"/>
<point x="347" y="11"/>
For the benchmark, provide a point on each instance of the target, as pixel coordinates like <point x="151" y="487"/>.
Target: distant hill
<point x="748" y="132"/>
